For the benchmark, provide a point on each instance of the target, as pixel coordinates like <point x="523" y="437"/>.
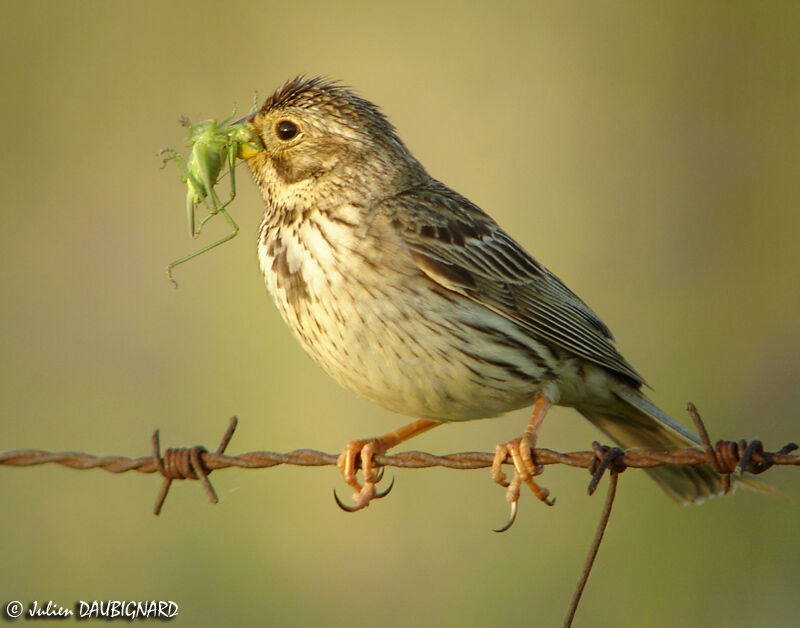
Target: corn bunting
<point x="411" y="296"/>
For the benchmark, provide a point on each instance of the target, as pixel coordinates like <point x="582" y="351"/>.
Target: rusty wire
<point x="613" y="477"/>
<point x="196" y="463"/>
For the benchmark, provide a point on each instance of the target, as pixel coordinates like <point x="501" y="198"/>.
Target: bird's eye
<point x="286" y="129"/>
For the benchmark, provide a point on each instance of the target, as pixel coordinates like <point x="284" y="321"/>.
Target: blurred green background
<point x="645" y="152"/>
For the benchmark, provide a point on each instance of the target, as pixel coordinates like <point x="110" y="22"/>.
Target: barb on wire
<point x="196" y="463"/>
<point x="186" y="463"/>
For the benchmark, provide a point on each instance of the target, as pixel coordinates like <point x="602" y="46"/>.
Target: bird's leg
<point x="367" y="449"/>
<point x="525" y="467"/>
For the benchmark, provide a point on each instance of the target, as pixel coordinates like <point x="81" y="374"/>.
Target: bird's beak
<point x="248" y="149"/>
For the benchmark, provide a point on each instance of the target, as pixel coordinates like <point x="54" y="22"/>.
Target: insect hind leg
<point x="234" y="230"/>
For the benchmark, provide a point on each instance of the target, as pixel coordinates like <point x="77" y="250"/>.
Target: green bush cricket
<point x="214" y="146"/>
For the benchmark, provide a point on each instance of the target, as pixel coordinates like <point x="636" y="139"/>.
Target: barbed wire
<point x="196" y="463"/>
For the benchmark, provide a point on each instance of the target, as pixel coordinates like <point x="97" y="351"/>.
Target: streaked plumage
<point x="411" y="296"/>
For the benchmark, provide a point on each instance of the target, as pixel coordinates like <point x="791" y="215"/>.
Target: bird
<point x="413" y="297"/>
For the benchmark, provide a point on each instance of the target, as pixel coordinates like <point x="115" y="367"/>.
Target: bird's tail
<point x="635" y="422"/>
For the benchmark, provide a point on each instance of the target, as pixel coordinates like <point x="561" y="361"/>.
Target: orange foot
<point x="366" y="450"/>
<point x="525" y="468"/>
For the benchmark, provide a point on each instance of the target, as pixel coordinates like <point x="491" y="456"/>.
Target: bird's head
<point x="319" y="137"/>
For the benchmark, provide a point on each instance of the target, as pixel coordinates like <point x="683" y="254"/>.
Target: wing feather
<point x="464" y="250"/>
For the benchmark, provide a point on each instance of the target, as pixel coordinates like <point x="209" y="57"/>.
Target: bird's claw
<point x="525" y="468"/>
<point x="364" y="496"/>
<point x="511" y="517"/>
<point x="365" y="450"/>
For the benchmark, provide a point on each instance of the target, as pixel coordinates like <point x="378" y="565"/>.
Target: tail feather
<point x="635" y="422"/>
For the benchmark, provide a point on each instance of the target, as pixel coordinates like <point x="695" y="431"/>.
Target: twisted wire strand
<point x="196" y="463"/>
<point x="637" y="459"/>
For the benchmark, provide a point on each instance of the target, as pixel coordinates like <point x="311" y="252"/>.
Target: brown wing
<point x="460" y="247"/>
